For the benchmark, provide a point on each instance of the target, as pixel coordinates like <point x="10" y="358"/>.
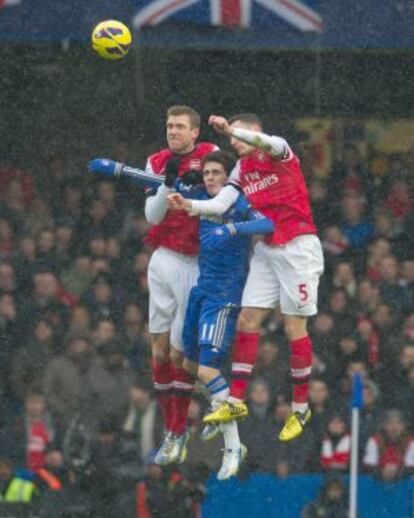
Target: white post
<point x="357" y="403"/>
<point x="353" y="482"/>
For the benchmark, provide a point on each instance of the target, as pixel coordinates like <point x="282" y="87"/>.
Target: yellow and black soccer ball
<point x="111" y="39"/>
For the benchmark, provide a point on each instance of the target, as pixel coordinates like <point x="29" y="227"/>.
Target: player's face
<point x="214" y="177"/>
<point x="241" y="148"/>
<point x="180" y="134"/>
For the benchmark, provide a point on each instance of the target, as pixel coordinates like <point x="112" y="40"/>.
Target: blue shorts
<point x="209" y="329"/>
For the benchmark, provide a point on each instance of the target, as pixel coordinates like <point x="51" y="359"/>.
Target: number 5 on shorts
<point x="303" y="292"/>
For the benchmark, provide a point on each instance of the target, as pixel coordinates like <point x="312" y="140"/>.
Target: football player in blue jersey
<point x="214" y="303"/>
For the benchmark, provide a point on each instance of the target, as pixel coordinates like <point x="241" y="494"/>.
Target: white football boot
<point x="173" y="449"/>
<point x="232" y="460"/>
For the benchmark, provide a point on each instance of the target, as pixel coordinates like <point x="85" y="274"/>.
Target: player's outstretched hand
<point x="216" y="236"/>
<point x="105" y="166"/>
<point x="220" y="124"/>
<point x="178" y="202"/>
<point x="172" y="169"/>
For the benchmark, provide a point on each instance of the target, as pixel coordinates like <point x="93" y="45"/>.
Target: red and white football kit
<point x="285" y="267"/>
<point x="172" y="272"/>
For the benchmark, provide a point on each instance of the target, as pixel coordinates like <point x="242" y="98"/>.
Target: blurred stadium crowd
<point x="79" y="422"/>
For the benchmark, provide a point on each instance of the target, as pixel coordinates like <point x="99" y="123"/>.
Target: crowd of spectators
<point x="78" y="416"/>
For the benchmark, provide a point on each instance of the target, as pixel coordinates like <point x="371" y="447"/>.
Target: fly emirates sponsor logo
<point x="256" y="182"/>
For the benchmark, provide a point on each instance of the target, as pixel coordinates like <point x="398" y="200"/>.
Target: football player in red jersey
<point x="285" y="267"/>
<point x="172" y="272"/>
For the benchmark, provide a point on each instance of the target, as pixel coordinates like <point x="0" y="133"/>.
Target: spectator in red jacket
<point x="390" y="453"/>
<point x="336" y="445"/>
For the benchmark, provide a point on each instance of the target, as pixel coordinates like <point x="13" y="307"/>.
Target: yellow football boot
<point x="227" y="412"/>
<point x="294" y="425"/>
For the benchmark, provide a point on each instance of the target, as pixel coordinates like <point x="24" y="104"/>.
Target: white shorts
<point x="171" y="276"/>
<point x="285" y="275"/>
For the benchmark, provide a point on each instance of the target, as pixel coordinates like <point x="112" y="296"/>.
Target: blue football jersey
<point x="223" y="269"/>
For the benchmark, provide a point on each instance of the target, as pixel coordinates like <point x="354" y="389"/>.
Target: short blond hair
<point x="182" y="109"/>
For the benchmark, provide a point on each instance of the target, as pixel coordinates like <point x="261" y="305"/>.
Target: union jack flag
<point x="300" y="14"/>
<point x="8" y="3"/>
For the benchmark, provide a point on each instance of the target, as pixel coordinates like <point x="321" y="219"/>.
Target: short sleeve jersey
<point x="277" y="188"/>
<point x="178" y="231"/>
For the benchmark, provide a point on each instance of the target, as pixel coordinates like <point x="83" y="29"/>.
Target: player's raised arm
<point x="131" y="175"/>
<point x="216" y="206"/>
<point x="275" y="146"/>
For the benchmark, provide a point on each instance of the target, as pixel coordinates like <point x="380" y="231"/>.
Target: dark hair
<point x="34" y="391"/>
<point x="182" y="109"/>
<point x="224" y="158"/>
<point x="248" y="118"/>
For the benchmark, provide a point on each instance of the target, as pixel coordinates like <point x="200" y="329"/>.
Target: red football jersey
<point x="277" y="188"/>
<point x="178" y="231"/>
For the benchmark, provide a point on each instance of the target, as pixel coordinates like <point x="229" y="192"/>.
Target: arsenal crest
<point x="195" y="163"/>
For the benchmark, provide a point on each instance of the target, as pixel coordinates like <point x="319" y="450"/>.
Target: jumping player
<point x="172" y="271"/>
<point x="284" y="269"/>
<point x="214" y="303"/>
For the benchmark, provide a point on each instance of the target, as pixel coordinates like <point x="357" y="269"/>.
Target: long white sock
<point x="299" y="407"/>
<point x="230" y="433"/>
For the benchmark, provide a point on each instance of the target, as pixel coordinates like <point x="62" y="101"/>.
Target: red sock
<point x="243" y="358"/>
<point x="183" y="385"/>
<point x="300" y="368"/>
<point x="163" y="383"/>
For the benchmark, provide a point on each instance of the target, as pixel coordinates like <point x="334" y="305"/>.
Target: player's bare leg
<point x="234" y="451"/>
<point x="300" y="365"/>
<point x="243" y="359"/>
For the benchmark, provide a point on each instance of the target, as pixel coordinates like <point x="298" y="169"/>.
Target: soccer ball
<point x="111" y="39"/>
